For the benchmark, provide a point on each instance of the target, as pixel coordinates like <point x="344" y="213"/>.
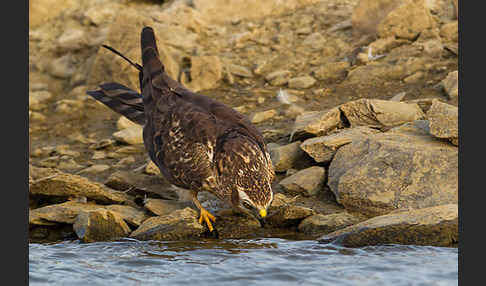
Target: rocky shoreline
<point x="361" y="119"/>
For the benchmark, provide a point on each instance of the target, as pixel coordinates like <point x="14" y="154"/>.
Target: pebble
<point x="302" y="82"/>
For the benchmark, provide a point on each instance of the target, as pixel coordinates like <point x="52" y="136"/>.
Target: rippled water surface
<point x="239" y="262"/>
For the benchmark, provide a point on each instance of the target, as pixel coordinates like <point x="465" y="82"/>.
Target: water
<point x="239" y="262"/>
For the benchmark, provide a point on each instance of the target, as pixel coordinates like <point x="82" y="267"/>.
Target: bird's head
<point x="253" y="201"/>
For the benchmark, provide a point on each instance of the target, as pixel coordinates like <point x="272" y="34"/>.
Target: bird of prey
<point x="198" y="143"/>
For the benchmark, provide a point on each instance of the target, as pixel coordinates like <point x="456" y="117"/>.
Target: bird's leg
<point x="205" y="215"/>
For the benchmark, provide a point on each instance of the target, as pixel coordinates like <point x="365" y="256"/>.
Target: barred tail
<point x="121" y="99"/>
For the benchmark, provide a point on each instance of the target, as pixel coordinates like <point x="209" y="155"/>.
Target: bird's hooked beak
<point x="262" y="214"/>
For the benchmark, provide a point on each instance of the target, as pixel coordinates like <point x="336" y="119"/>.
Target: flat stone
<point x="132" y="215"/>
<point x="316" y="123"/>
<point x="59" y="213"/>
<point x="240" y="71"/>
<point x="450" y="32"/>
<point x="289" y="215"/>
<point x="332" y="72"/>
<point x="323" y="148"/>
<point x="180" y="224"/>
<point x="436" y="226"/>
<point x="278" y="78"/>
<point x="320" y="224"/>
<point x="37" y="99"/>
<point x="301" y="82"/>
<point x="285" y="157"/>
<point x="164" y="207"/>
<point x="443" y="120"/>
<point x="124" y="123"/>
<point x="141" y="185"/>
<point x="132" y="135"/>
<point x="95" y="169"/>
<point x="67" y="185"/>
<point x="152" y="169"/>
<point x="100" y="225"/>
<point x="306" y="182"/>
<point x="450" y="84"/>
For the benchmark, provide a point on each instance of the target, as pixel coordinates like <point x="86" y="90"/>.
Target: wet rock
<point x="289" y="215"/>
<point x="436" y="226"/>
<point x="240" y="71"/>
<point x="406" y="21"/>
<point x="380" y="113"/>
<point x="37" y="99"/>
<point x="285" y="157"/>
<point x="100" y="225"/>
<point x="278" y="78"/>
<point x="132" y="135"/>
<point x="206" y="73"/>
<point x="332" y="72"/>
<point x="124" y="123"/>
<point x="443" y="120"/>
<point x="301" y="82"/>
<point x="261" y="116"/>
<point x="405" y="167"/>
<point x="124" y="35"/>
<point x="95" y="169"/>
<point x="67" y="185"/>
<point x="323" y="148"/>
<point x="237" y="226"/>
<point x="180" y="224"/>
<point x="164" y="207"/>
<point x="316" y="123"/>
<point x="451" y="84"/>
<point x="450" y="32"/>
<point x="307" y="182"/>
<point x="320" y="224"/>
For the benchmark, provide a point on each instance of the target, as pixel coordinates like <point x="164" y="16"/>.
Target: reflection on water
<point x="239" y="262"/>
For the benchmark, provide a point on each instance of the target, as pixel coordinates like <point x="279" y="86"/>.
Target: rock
<point x="67" y="185"/>
<point x="380" y="113"/>
<point x="152" y="169"/>
<point x="37" y="99"/>
<point x="240" y="71"/>
<point x="320" y="224"/>
<point x="98" y="155"/>
<point x="367" y="14"/>
<point x="278" y="78"/>
<point x="95" y="169"/>
<point x="316" y="123"/>
<point x="406" y="21"/>
<point x="124" y="35"/>
<point x="36" y="116"/>
<point x="414" y="78"/>
<point x="72" y="40"/>
<point x="164" y="207"/>
<point x="450" y="32"/>
<point x="42" y="11"/>
<point x="62" y="67"/>
<point x="451" y="84"/>
<point x="405" y="167"/>
<point x="133" y="216"/>
<point x="261" y="116"/>
<point x="132" y="135"/>
<point x="307" y="182"/>
<point x="285" y="157"/>
<point x="293" y="111"/>
<point x="443" y="120"/>
<point x="141" y="185"/>
<point x="289" y="215"/>
<point x="100" y="225"/>
<point x="398" y="97"/>
<point x="301" y="82"/>
<point x="124" y="162"/>
<point x="332" y="72"/>
<point x="68" y="164"/>
<point x="179" y="225"/>
<point x="69" y="106"/>
<point x="384" y="45"/>
<point x="323" y="148"/>
<point x="124" y="123"/>
<point x="237" y="226"/>
<point x="436" y="226"/>
<point x="59" y="213"/>
<point x="206" y="73"/>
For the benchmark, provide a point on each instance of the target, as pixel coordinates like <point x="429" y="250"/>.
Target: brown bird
<point x="198" y="144"/>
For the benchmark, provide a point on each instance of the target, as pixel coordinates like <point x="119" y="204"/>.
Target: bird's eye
<point x="247" y="205"/>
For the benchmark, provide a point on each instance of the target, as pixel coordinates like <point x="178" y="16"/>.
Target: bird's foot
<point x="207" y="217"/>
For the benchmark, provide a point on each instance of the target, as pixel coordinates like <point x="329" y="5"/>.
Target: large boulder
<point x="437" y="226"/>
<point x="286" y="156"/>
<point x="316" y="123"/>
<point x="405" y="167"/>
<point x="307" y="182"/>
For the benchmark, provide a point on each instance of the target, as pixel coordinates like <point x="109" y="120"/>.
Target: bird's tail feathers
<point x="150" y="53"/>
<point x="121" y="99"/>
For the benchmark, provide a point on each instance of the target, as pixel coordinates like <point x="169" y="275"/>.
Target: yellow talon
<point x="207" y="217"/>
